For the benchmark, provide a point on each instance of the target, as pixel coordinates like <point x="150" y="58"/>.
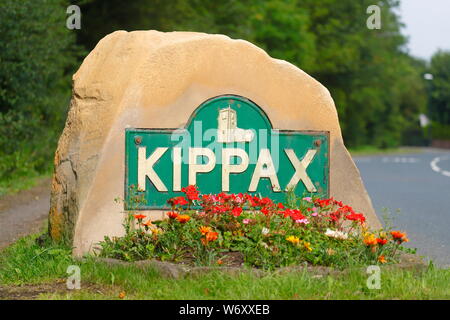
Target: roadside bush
<point x="440" y="131"/>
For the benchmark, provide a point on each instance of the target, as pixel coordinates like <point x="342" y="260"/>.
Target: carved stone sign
<point x="228" y="145"/>
<point x="163" y="110"/>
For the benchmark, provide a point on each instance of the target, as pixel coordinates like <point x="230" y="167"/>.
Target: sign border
<point x="192" y="116"/>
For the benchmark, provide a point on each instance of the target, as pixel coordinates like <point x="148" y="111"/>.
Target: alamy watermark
<point x="374" y="280"/>
<point x="374" y="20"/>
<point x="74" y="20"/>
<point x="74" y="279"/>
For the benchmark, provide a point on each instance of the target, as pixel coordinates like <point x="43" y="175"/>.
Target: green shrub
<point x="230" y="229"/>
<point x="440" y="131"/>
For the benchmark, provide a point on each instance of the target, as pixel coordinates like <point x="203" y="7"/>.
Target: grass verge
<point x="26" y="263"/>
<point x="24" y="183"/>
<point x="371" y="150"/>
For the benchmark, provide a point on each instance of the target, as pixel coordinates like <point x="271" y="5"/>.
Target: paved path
<point x="418" y="184"/>
<point x="24" y="212"/>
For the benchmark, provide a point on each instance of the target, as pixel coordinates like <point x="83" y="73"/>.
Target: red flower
<point x="191" y="192"/>
<point x="323" y="202"/>
<point x="236" y="211"/>
<point x="286" y="213"/>
<point x="346" y="209"/>
<point x="399" y="236"/>
<point x="180" y="201"/>
<point x="356" y="217"/>
<point x="139" y="216"/>
<point x="335" y="216"/>
<point x="265" y="211"/>
<point x="172" y="214"/>
<point x="265" y="202"/>
<point x="339" y="203"/>
<point x="381" y="242"/>
<point x="297" y="215"/>
<point x="280" y="206"/>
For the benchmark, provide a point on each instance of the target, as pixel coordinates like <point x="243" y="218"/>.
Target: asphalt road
<point x="417" y="185"/>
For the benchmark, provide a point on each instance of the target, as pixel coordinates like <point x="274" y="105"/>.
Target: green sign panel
<point x="227" y="145"/>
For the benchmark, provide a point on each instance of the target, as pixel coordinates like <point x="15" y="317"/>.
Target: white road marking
<point x="434" y="166"/>
<point x="400" y="160"/>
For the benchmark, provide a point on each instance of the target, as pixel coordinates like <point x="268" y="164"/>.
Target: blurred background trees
<point x="378" y="88"/>
<point x="37" y="55"/>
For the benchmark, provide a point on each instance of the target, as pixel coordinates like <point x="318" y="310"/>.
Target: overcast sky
<point x="427" y="24"/>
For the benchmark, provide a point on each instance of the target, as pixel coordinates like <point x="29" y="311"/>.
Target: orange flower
<point x="211" y="236"/>
<point x="139" y="216"/>
<point x="219" y="262"/>
<point x="399" y="236"/>
<point x="147" y="223"/>
<point x="382" y="259"/>
<point x="204" y="230"/>
<point x="183" y="218"/>
<point x="172" y="214"/>
<point x="370" y="240"/>
<point x="381" y="241"/>
<point x="122" y="295"/>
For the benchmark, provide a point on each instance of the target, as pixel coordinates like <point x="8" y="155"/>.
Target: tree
<point x="440" y="87"/>
<point x="37" y="58"/>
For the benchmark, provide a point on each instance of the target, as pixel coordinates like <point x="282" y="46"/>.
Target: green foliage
<point x="440" y="88"/>
<point x="377" y="87"/>
<point x="138" y="284"/>
<point x="37" y="57"/>
<point x="26" y="262"/>
<point x="257" y="231"/>
<point x="440" y="131"/>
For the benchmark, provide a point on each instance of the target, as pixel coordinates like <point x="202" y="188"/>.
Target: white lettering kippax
<point x="228" y="168"/>
<point x="194" y="167"/>
<point x="264" y="167"/>
<point x="145" y="168"/>
<point x="300" y="169"/>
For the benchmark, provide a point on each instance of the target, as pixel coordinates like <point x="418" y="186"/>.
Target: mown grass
<point x="26" y="262"/>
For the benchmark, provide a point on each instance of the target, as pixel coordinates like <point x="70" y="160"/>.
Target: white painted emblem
<point x="228" y="131"/>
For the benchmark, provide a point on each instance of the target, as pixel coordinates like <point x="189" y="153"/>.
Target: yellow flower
<point x="293" y="239"/>
<point x="156" y="231"/>
<point x="307" y="246"/>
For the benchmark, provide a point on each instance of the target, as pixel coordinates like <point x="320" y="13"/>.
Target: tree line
<point x="378" y="88"/>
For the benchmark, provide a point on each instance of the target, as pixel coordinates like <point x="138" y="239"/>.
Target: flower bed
<point x="235" y="229"/>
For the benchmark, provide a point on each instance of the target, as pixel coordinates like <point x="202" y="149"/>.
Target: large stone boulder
<point x="150" y="79"/>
